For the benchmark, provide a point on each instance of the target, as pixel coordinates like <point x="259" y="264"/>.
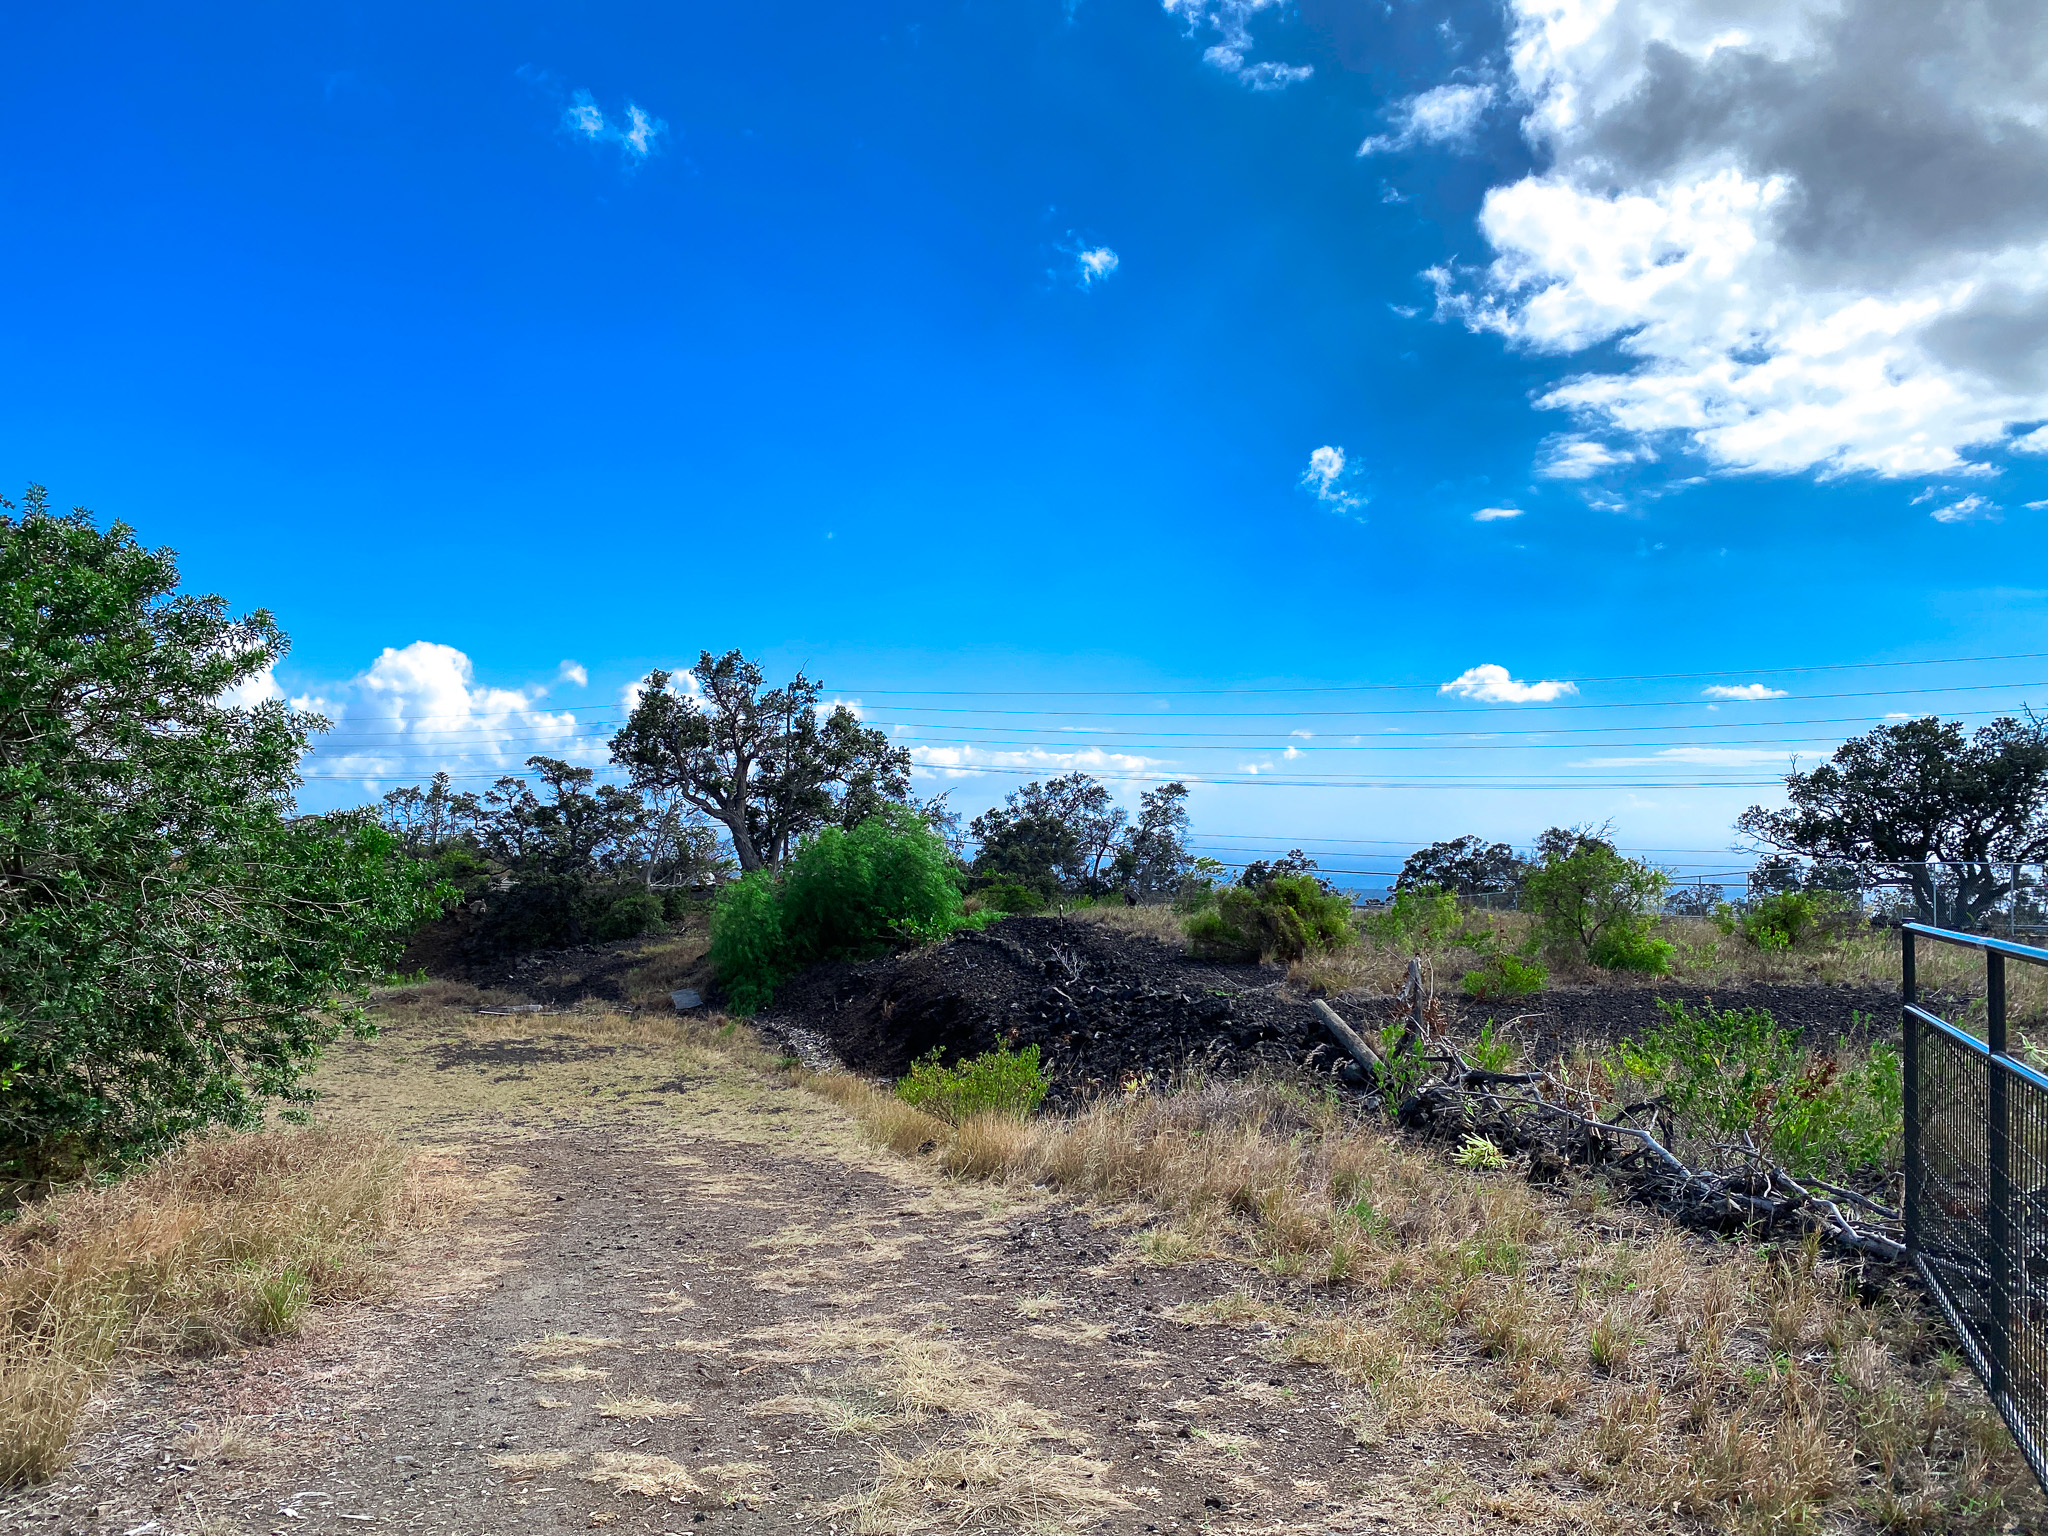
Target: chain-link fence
<point x="1976" y="1174"/>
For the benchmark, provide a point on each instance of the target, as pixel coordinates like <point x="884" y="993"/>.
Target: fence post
<point x="1998" y="1138"/>
<point x="1909" y="985"/>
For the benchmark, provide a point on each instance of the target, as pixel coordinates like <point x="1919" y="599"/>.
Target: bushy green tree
<point x="773" y="766"/>
<point x="175" y="945"/>
<point x="1925" y="803"/>
<point x="1593" y="904"/>
<point x="1154" y="857"/>
<point x="1283" y="918"/>
<point x="1062" y="834"/>
<point x="1465" y="866"/>
<point x="842" y="895"/>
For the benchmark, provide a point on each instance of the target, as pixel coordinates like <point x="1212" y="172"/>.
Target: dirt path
<point x="699" y="1301"/>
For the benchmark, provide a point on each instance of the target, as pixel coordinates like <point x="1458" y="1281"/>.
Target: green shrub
<point x="1422" y="918"/>
<point x="1592" y="904"/>
<point x="850" y="893"/>
<point x="843" y="895"/>
<point x="1783" y="920"/>
<point x="1494" y="1051"/>
<point x="746" y="940"/>
<point x="1629" y="947"/>
<point x="1505" y="975"/>
<point x="1011" y="897"/>
<point x="1002" y="1082"/>
<point x="1283" y="919"/>
<point x="626" y="915"/>
<point x="1727" y="1071"/>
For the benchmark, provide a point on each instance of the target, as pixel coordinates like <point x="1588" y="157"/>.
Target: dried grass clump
<point x="226" y="1239"/>
<point x="1736" y="1387"/>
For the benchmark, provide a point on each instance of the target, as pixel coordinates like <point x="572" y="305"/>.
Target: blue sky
<point x="978" y="358"/>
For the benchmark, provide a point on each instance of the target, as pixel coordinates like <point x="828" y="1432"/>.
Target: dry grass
<point x="640" y="1408"/>
<point x="1747" y="1389"/>
<point x="652" y="1477"/>
<point x="227" y="1239"/>
<point x="1153" y="922"/>
<point x="666" y="965"/>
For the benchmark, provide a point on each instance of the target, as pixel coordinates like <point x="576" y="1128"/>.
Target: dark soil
<point x="1099" y="1004"/>
<point x="1102" y="1005"/>
<point x="555" y="977"/>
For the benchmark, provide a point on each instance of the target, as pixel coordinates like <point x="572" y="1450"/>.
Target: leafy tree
<point x="1591" y="903"/>
<point x="1058" y="834"/>
<point x="1466" y="866"/>
<point x="174" y="942"/>
<point x="1282" y="918"/>
<point x="429" y="820"/>
<point x="1563" y="842"/>
<point x="1922" y="802"/>
<point x="1262" y="871"/>
<point x="765" y="764"/>
<point x="1154" y="857"/>
<point x="843" y="894"/>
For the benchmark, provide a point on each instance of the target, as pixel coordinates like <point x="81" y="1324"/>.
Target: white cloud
<point x="2035" y="441"/>
<point x="1495" y="514"/>
<point x="1816" y="231"/>
<point x="1304" y="735"/>
<point x="635" y="134"/>
<point x="967" y="761"/>
<point x="1741" y="691"/>
<point x="1291" y="753"/>
<point x="1492" y="684"/>
<point x="573" y="672"/>
<point x="1580" y="458"/>
<point x="257" y="688"/>
<point x="1448" y="114"/>
<point x="1094" y="266"/>
<point x="420" y="708"/>
<point x="1971" y="509"/>
<point x="1231" y="21"/>
<point x="2035" y="506"/>
<point x="1325" y="476"/>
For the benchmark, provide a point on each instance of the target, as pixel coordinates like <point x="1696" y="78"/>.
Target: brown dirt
<point x="722" y="1241"/>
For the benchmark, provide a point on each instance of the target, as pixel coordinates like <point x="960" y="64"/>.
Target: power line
<point x="1618" y="677"/>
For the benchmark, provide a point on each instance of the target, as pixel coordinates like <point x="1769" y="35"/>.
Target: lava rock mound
<point x="1100" y="1004"/>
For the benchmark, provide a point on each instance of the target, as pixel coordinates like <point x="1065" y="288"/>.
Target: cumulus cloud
<point x="419" y="708"/>
<point x="1495" y="514"/>
<point x="1094" y="266"/>
<point x="963" y="760"/>
<point x="257" y="688"/>
<point x="1231" y="21"/>
<point x="1492" y="684"/>
<point x="1326" y="476"/>
<point x="573" y="672"/>
<point x="1581" y="458"/>
<point x="1449" y="114"/>
<point x="1816" y="231"/>
<point x="635" y="132"/>
<point x="1971" y="509"/>
<point x="1741" y="691"/>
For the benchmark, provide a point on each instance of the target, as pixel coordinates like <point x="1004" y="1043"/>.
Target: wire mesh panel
<point x="1977" y="1192"/>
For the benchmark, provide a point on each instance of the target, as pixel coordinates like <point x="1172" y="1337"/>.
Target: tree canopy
<point x="771" y="766"/>
<point x="1467" y="866"/>
<point x="1925" y="804"/>
<point x="174" y="941"/>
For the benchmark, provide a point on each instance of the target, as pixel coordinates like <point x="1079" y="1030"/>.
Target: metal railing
<point x="1976" y="1167"/>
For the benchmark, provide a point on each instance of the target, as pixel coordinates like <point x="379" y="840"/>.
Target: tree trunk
<point x="742" y="845"/>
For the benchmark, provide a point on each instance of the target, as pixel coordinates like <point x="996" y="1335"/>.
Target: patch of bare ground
<point x="698" y="1289"/>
